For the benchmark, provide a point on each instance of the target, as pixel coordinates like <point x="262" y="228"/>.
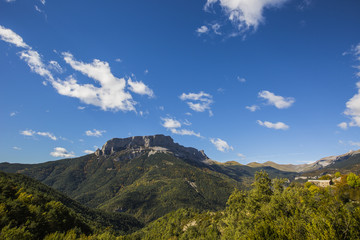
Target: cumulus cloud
<point x="353" y="109"/>
<point x="245" y="14"/>
<point x="203" y="29"/>
<point x="277" y="126"/>
<point x="9" y="36"/>
<point x="139" y="88"/>
<point x="343" y="125"/>
<point x="110" y="95"/>
<point x="170" y="123"/>
<point x="221" y="145"/>
<point x="174" y="126"/>
<point x="278" y="101"/>
<point x="95" y="133"/>
<point x="353" y="105"/>
<point x="252" y="108"/>
<point x="198" y="102"/>
<point x="62" y="152"/>
<point x="34" y="133"/>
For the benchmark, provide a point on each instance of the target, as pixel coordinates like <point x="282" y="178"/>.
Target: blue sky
<point x="245" y="80"/>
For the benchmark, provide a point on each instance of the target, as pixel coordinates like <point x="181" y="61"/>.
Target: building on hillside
<point x="321" y="183"/>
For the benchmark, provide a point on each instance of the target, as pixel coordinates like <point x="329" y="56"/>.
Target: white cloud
<point x="146" y="71"/>
<point x="89" y="151"/>
<point x="144" y="113"/>
<point x="173" y="125"/>
<point x="170" y="123"/>
<point x="252" y="108"/>
<point x="9" y="36"/>
<point x="33" y="133"/>
<point x="43" y="1"/>
<point x="240" y="155"/>
<point x="47" y="134"/>
<point x="33" y="59"/>
<point x="81" y="107"/>
<point x="221" y="145"/>
<point x="203" y="29"/>
<point x="139" y="88"/>
<point x="161" y="108"/>
<point x="118" y="60"/>
<point x="278" y="101"/>
<point x="187" y="122"/>
<point x="95" y="133"/>
<point x="38" y="9"/>
<point x="353" y="105"/>
<point x="28" y="132"/>
<point x="277" y="126"/>
<point x="10" y="1"/>
<point x="185" y="132"/>
<point x="54" y="65"/>
<point x="215" y="27"/>
<point x="62" y="152"/>
<point x="13" y="114"/>
<point x="245" y="14"/>
<point x="343" y="125"/>
<point x="353" y="110"/>
<point x="357" y="144"/>
<point x="110" y="96"/>
<point x="16" y="148"/>
<point x="198" y="102"/>
<point x="241" y="79"/>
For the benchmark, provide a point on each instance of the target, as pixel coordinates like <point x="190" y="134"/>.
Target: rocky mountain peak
<point x="154" y="143"/>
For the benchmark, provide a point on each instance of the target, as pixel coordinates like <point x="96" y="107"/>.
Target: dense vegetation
<point x="270" y="210"/>
<point x="146" y="186"/>
<point x="31" y="210"/>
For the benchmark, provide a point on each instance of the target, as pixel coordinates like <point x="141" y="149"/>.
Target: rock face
<point x="153" y="143"/>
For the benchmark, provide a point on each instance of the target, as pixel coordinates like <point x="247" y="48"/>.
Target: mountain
<point x="345" y="163"/>
<point x="31" y="208"/>
<point x="348" y="160"/>
<point x="146" y="176"/>
<point x="282" y="167"/>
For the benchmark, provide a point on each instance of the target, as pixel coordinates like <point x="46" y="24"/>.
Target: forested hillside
<point x="31" y="210"/>
<point x="272" y="209"/>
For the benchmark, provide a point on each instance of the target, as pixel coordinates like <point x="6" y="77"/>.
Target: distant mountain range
<point x="149" y="176"/>
<point x="349" y="161"/>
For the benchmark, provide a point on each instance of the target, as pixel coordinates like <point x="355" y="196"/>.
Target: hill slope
<point x="31" y="208"/>
<point x="145" y="176"/>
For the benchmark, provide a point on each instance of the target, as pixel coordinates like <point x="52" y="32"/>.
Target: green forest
<point x="271" y="209"/>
